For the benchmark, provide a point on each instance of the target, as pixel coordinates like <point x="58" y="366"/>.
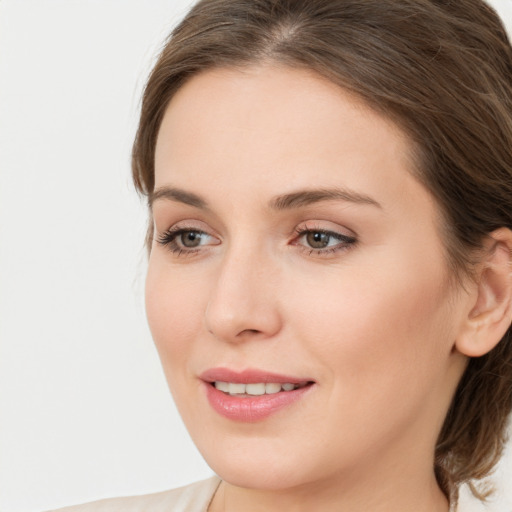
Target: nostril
<point x="248" y="332"/>
<point x="231" y="319"/>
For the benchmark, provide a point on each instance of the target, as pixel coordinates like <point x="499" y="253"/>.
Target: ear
<point x="490" y="313"/>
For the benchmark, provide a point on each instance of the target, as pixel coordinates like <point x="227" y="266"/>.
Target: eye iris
<point x="317" y="240"/>
<point x="190" y="238"/>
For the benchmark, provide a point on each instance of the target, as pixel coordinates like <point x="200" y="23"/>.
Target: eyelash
<point x="168" y="240"/>
<point x="345" y="241"/>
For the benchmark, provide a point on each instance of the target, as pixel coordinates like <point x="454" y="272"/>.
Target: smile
<point x="255" y="389"/>
<point x="252" y="395"/>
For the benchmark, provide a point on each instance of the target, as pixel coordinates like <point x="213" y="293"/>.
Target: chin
<point x="264" y="464"/>
<point x="269" y="476"/>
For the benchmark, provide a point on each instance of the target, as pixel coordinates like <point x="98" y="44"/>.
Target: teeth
<point x="235" y="388"/>
<point x="255" y="389"/>
<point x="222" y="386"/>
<point x="271" y="388"/>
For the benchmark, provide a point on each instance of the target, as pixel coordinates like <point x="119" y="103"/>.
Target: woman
<point x="329" y="283"/>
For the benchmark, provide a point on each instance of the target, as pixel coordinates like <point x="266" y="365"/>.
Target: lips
<point x="252" y="395"/>
<point x="249" y="376"/>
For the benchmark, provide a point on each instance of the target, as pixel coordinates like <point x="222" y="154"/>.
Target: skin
<point x="374" y="323"/>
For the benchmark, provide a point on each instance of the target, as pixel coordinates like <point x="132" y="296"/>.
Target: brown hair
<point x="440" y="69"/>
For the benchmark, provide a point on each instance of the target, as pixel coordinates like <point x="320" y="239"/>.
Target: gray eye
<point x="191" y="238"/>
<point x="317" y="239"/>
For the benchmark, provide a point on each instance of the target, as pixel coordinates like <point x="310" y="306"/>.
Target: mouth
<point x="256" y="388"/>
<point x="252" y="395"/>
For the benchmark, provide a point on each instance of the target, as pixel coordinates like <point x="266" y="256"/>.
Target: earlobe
<point x="490" y="315"/>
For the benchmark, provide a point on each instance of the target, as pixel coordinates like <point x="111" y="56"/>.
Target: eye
<point x="186" y="240"/>
<point x="320" y="241"/>
<point x="190" y="238"/>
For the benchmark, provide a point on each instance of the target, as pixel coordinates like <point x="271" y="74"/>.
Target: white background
<point x="84" y="408"/>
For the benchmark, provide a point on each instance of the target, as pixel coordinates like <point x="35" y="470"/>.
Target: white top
<point x="195" y="497"/>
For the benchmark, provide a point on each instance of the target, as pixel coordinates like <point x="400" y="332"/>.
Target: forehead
<point x="276" y="128"/>
<point x="283" y="102"/>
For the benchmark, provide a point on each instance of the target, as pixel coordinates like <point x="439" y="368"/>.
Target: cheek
<point x="380" y="331"/>
<point x="173" y="307"/>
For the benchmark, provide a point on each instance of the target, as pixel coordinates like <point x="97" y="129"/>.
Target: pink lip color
<point x="250" y="409"/>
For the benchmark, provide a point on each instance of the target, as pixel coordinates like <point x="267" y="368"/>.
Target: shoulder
<point x="191" y="498"/>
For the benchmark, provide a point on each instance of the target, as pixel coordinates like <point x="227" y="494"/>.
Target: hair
<point x="442" y="71"/>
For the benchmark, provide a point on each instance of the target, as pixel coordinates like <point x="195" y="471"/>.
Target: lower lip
<point x="253" y="408"/>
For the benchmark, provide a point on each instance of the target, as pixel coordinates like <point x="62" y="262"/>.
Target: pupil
<point x="318" y="240"/>
<point x="191" y="239"/>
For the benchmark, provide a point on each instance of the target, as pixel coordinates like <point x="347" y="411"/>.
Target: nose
<point x="243" y="303"/>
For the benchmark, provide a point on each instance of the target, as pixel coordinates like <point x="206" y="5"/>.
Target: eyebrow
<point x="308" y="197"/>
<point x="289" y="201"/>
<point x="178" y="195"/>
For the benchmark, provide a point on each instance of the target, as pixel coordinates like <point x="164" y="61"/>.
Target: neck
<point x="379" y="484"/>
<point x="400" y="497"/>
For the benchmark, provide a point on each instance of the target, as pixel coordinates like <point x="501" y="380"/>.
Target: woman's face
<point x="294" y="246"/>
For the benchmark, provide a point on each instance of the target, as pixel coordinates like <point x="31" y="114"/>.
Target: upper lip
<point x="249" y="376"/>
